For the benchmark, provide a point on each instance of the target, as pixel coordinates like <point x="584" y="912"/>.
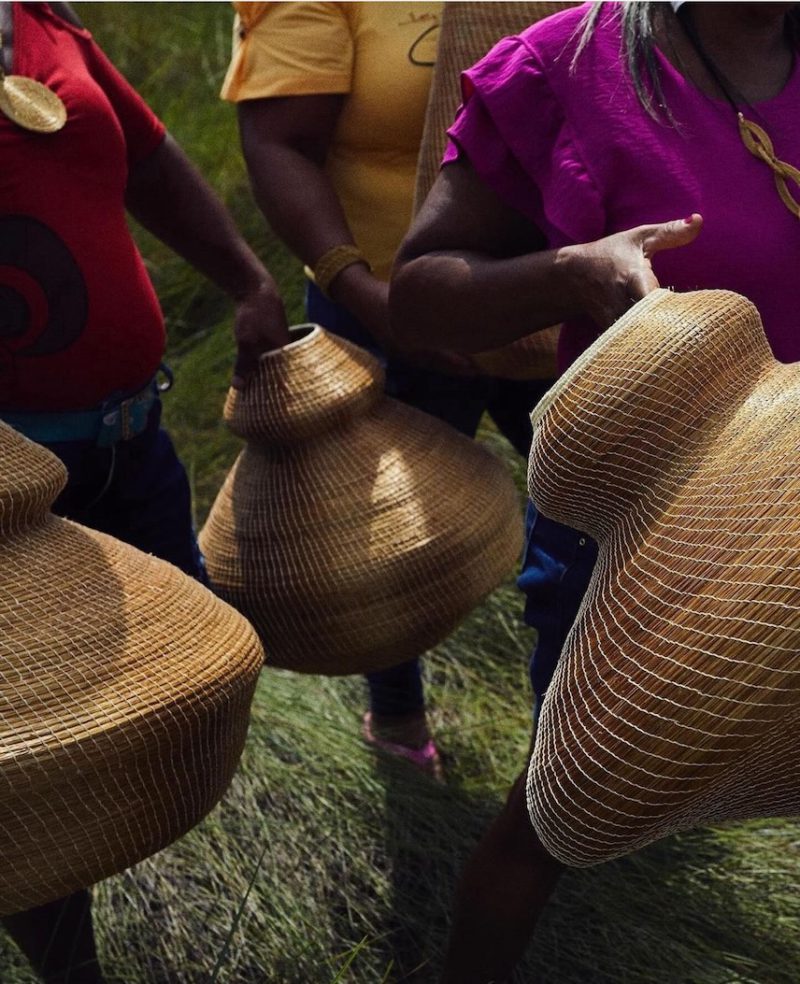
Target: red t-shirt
<point x="79" y="319"/>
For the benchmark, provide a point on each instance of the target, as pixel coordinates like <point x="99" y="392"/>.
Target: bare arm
<point x="473" y="273"/>
<point x="285" y="143"/>
<point x="169" y="197"/>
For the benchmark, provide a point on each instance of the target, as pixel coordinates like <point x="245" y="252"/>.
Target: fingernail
<point x="689" y="220"/>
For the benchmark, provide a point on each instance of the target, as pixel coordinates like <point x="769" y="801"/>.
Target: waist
<point x="119" y="418"/>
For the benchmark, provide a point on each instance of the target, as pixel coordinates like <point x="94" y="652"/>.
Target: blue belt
<point x="116" y="420"/>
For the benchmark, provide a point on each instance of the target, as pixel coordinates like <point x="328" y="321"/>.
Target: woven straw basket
<point x="124" y="693"/>
<point x="468" y="30"/>
<point x="674" y="442"/>
<point x="353" y="531"/>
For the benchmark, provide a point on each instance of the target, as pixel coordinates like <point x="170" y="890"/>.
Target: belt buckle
<point x="110" y="428"/>
<point x="126" y="419"/>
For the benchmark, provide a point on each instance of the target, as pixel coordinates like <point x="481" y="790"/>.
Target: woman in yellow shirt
<point x="332" y="100"/>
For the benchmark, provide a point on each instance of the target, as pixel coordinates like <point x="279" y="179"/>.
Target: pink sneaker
<point x="426" y="758"/>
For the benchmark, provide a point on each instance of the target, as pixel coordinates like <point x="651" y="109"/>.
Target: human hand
<point x="259" y="326"/>
<point x="367" y="298"/>
<point x="613" y="273"/>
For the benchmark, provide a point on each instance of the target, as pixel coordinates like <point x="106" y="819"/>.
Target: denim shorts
<point x="556" y="571"/>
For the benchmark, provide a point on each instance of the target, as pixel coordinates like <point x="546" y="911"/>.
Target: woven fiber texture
<point x="674" y="442"/>
<point x="125" y="689"/>
<point x="468" y="30"/>
<point x="353" y="531"/>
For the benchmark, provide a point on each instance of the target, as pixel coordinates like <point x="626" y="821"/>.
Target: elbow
<point x="406" y="307"/>
<point x="427" y="297"/>
<point x="416" y="298"/>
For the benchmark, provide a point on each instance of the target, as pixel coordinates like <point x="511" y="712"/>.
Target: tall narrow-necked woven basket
<point x="353" y="531"/>
<point x="674" y="442"/>
<point x="469" y="28"/>
<point x="125" y="689"/>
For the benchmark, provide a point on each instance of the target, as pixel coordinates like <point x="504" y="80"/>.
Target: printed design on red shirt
<point x="43" y="296"/>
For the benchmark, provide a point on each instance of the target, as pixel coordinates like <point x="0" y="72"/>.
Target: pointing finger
<point x="669" y="235"/>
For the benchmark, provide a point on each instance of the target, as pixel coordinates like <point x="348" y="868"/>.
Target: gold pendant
<point x="757" y="141"/>
<point x="31" y="105"/>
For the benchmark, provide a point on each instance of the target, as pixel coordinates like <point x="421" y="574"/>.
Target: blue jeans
<point x="460" y="402"/>
<point x="136" y="491"/>
<point x="556" y="571"/>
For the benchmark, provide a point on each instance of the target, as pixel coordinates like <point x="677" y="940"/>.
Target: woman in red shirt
<point x="82" y="334"/>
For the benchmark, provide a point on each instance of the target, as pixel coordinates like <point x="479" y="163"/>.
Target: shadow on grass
<point x="681" y="911"/>
<point x="423" y="865"/>
<point x="687" y="910"/>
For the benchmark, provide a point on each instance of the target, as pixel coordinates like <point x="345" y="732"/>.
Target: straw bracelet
<point x="333" y="261"/>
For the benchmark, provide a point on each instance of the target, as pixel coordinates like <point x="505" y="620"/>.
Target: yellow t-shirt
<point x="380" y="55"/>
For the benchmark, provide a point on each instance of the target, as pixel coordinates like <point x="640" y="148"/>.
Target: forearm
<point x="470" y="301"/>
<point x="474" y="273"/>
<point x="285" y="144"/>
<point x="298" y="200"/>
<point x="170" y="198"/>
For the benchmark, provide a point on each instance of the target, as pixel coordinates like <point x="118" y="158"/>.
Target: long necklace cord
<point x="754" y="137"/>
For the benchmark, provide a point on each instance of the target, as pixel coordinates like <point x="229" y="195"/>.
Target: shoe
<point x="426" y="758"/>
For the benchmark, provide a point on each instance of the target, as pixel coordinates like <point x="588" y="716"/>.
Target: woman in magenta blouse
<point x="607" y="150"/>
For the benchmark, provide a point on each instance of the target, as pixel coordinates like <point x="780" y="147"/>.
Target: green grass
<point x="324" y="863"/>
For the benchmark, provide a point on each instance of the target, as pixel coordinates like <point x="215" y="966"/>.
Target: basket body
<point x="125" y="689"/>
<point x="353" y="531"/>
<point x="673" y="441"/>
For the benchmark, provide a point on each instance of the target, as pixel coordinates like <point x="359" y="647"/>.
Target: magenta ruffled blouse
<point x="574" y="151"/>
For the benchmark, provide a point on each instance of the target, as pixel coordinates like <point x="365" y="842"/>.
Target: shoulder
<point x="542" y="64"/>
<point x="66" y="13"/>
<point x="558" y="30"/>
<point x="289" y="49"/>
<point x="297" y="15"/>
<point x="528" y="115"/>
<point x="553" y="42"/>
<point x="61" y="15"/>
<point x="565" y="44"/>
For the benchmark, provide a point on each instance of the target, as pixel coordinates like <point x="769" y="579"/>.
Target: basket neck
<point x="314" y="384"/>
<point x="30" y="479"/>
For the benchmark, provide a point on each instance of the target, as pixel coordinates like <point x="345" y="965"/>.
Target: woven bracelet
<point x="333" y="261"/>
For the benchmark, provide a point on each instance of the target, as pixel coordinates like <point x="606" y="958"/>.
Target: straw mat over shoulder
<point x="125" y="689"/>
<point x="353" y="531"/>
<point x="468" y="30"/>
<point x="674" y="442"/>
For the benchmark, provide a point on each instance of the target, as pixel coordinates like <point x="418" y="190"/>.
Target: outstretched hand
<point x="259" y="326"/>
<point x="615" y="272"/>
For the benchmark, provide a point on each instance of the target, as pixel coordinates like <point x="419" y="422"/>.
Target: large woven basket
<point x="353" y="531"/>
<point x="674" y="442"/>
<point x="469" y="28"/>
<point x="124" y="693"/>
